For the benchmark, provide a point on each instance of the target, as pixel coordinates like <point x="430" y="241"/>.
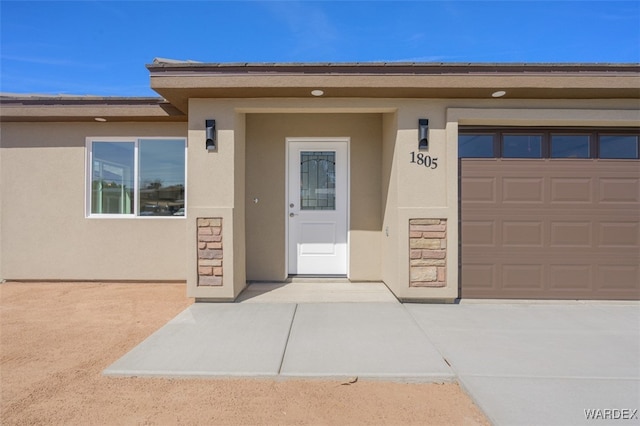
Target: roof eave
<point x="30" y="108"/>
<point x="178" y="84"/>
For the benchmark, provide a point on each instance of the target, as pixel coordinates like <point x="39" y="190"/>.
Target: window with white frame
<point x="136" y="177"/>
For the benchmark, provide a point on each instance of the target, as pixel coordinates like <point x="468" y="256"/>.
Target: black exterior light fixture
<point x="210" y="134"/>
<point x="423" y="134"/>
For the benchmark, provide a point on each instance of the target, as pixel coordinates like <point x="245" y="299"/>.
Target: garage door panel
<point x="571" y="190"/>
<point x="619" y="278"/>
<point x="554" y="281"/>
<point x="551" y="229"/>
<point x="481" y="276"/>
<point x="522" y="190"/>
<point x="554" y="231"/>
<point x="620" y="191"/>
<point x="522" y="277"/>
<point x="479" y="233"/>
<point x="570" y="277"/>
<point x="522" y="233"/>
<point x="619" y="234"/>
<point x="480" y="189"/>
<point x="570" y="234"/>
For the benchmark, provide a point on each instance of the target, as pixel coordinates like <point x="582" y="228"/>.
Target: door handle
<point x="292" y="214"/>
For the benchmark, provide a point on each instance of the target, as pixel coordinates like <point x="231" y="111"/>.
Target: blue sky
<point x="101" y="47"/>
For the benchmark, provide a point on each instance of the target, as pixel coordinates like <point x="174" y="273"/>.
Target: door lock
<point x="292" y="214"/>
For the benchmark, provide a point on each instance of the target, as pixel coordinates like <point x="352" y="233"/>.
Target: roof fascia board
<point x="81" y="110"/>
<point x="390" y="68"/>
<point x="395" y="81"/>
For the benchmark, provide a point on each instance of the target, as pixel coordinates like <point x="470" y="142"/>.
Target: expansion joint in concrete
<point x="286" y="344"/>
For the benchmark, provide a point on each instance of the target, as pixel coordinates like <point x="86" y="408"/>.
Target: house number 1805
<point x="424" y="160"/>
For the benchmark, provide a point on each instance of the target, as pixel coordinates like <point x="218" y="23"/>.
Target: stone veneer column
<point x="209" y="251"/>
<point x="428" y="252"/>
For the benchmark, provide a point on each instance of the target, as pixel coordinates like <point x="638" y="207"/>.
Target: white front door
<point x="317" y="206"/>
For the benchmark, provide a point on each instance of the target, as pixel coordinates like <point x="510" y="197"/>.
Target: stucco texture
<point x="45" y="234"/>
<point x="266" y="181"/>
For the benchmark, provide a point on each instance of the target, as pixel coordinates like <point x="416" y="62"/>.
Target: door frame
<point x="319" y="140"/>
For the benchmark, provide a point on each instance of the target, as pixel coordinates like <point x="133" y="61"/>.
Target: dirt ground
<point x="56" y="338"/>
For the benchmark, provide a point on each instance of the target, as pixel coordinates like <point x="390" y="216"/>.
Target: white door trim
<point x="319" y="140"/>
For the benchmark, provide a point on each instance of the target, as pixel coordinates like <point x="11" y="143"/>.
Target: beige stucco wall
<point x="265" y="180"/>
<point x="389" y="201"/>
<point x="216" y="189"/>
<point x="45" y="234"/>
<point x="420" y="192"/>
<point x="250" y="164"/>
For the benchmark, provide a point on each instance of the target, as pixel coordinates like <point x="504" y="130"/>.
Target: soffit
<point x="178" y="82"/>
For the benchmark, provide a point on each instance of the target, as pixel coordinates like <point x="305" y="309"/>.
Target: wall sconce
<point x="423" y="134"/>
<point x="210" y="133"/>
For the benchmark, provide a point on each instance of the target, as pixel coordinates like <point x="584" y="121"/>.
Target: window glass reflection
<point x="162" y="172"/>
<point x="619" y="146"/>
<point x="475" y="146"/>
<point x="152" y="186"/>
<point x="522" y="146"/>
<point x="112" y="178"/>
<point x="570" y="146"/>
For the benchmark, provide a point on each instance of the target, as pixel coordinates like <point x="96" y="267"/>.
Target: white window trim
<point x="136" y="141"/>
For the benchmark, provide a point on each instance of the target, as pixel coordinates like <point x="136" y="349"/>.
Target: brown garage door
<point x="550" y="228"/>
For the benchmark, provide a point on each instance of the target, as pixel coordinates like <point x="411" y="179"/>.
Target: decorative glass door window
<point x="317" y="180"/>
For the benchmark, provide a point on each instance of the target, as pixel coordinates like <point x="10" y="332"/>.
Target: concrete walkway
<point x="310" y="290"/>
<point x="540" y="363"/>
<point x="523" y="363"/>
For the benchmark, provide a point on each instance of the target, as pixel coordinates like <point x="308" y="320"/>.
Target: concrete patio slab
<point x="371" y="340"/>
<point x="315" y="291"/>
<point x="213" y="340"/>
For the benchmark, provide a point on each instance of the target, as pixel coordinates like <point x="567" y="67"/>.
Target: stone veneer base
<point x="209" y="251"/>
<point x="428" y="252"/>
